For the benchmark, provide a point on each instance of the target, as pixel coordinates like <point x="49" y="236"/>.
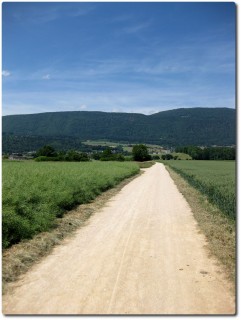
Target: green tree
<point x="107" y="155"/>
<point x="140" y="153"/>
<point x="169" y="156"/>
<point x="119" y="157"/>
<point x="76" y="156"/>
<point x="46" y="151"/>
<point x="96" y="155"/>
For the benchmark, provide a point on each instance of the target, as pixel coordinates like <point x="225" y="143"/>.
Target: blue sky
<point x="117" y="57"/>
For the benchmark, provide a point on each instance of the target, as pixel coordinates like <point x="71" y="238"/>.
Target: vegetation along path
<point x="141" y="254"/>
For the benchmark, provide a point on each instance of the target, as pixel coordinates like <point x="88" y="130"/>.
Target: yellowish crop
<point x="215" y="179"/>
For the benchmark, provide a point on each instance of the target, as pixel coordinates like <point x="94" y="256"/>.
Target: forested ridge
<point x="186" y="126"/>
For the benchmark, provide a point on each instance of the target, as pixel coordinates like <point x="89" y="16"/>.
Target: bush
<point x="76" y="156"/>
<point x="119" y="157"/>
<point x="96" y="155"/>
<point x="167" y="156"/>
<point x="44" y="158"/>
<point x="72" y="156"/>
<point x="128" y="158"/>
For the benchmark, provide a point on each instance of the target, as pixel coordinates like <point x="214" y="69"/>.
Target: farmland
<point x="35" y="194"/>
<point x="152" y="148"/>
<point x="215" y="179"/>
<point x="146" y="235"/>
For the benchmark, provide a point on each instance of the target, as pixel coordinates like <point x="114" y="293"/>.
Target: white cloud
<point x="37" y="15"/>
<point x="122" y="18"/>
<point x="46" y="77"/>
<point x="136" y="28"/>
<point x="137" y="100"/>
<point x="6" y="73"/>
<point x="83" y="107"/>
<point x="81" y="11"/>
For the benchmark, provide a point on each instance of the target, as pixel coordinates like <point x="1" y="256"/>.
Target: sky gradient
<point x="117" y="57"/>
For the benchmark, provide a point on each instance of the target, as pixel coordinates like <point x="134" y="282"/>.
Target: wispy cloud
<point x="81" y="11"/>
<point x="196" y="64"/>
<point x="118" y="59"/>
<point x="137" y="27"/>
<point x="46" y="77"/>
<point x="37" y="15"/>
<point x="122" y="18"/>
<point x="129" y="97"/>
<point x="6" y="73"/>
<point x="42" y="14"/>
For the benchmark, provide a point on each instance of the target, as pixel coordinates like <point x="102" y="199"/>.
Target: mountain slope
<point x="199" y="126"/>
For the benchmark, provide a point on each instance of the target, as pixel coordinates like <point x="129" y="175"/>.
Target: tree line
<point x="209" y="153"/>
<point x="48" y="153"/>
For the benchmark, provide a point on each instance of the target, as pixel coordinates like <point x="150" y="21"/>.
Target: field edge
<point x="216" y="226"/>
<point x="19" y="258"/>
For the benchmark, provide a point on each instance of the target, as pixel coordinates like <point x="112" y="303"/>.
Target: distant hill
<point x="25" y="143"/>
<point x="197" y="126"/>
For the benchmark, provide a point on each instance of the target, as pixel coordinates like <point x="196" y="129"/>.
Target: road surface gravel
<point x="141" y="254"/>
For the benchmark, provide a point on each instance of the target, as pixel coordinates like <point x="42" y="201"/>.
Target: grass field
<point x="107" y="144"/>
<point x="215" y="179"/>
<point x="34" y="194"/>
<point x="126" y="147"/>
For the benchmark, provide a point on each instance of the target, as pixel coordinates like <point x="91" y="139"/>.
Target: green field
<point x="126" y="147"/>
<point x="181" y="156"/>
<point x="106" y="143"/>
<point x="215" y="179"/>
<point x="34" y="194"/>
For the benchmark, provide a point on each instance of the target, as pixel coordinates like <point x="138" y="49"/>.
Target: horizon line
<point x="97" y="111"/>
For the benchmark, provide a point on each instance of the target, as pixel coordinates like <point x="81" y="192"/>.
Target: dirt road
<point x="141" y="254"/>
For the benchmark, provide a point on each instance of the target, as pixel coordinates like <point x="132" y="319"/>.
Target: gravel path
<point x="141" y="254"/>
